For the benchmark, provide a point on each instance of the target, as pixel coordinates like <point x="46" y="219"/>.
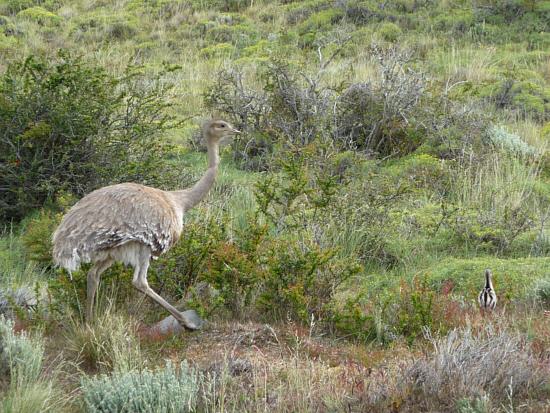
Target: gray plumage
<point x="487" y="297"/>
<point x="132" y="223"/>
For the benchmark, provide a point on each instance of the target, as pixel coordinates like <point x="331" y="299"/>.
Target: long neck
<point x="190" y="197"/>
<point x="488" y="280"/>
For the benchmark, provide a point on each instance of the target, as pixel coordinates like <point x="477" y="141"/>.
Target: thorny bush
<point x="296" y="108"/>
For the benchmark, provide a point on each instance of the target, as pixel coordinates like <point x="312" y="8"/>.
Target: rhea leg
<point x="140" y="282"/>
<point x="93" y="281"/>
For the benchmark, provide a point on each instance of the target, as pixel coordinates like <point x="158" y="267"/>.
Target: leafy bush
<point x="40" y="16"/>
<point x="401" y="311"/>
<point x="238" y="35"/>
<point x="105" y="27"/>
<point x="523" y="96"/>
<point x="390" y="32"/>
<point x="302" y="270"/>
<point x="487" y="230"/>
<point x="15" y="6"/>
<point x="69" y="126"/>
<point x="218" y="50"/>
<point x="185" y="265"/>
<point x="235" y="273"/>
<point x="301" y="281"/>
<point x="318" y="23"/>
<point x="163" y="390"/>
<point x="37" y="236"/>
<point x="299" y="11"/>
<point x="421" y="170"/>
<point x="455" y="22"/>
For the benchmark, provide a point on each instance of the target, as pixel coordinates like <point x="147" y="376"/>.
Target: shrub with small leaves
<point x="20" y="355"/>
<point x="542" y="292"/>
<point x="165" y="390"/>
<point x="41" y="16"/>
<point x="69" y="126"/>
<point x="509" y="142"/>
<point x="389" y="31"/>
<point x="37" y="236"/>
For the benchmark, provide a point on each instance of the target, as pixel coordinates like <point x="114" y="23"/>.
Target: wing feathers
<point x="112" y="216"/>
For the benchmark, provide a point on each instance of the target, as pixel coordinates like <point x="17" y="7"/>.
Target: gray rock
<point x="170" y="325"/>
<point x="22" y="297"/>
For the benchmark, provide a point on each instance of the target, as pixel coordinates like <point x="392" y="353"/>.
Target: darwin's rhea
<point x="132" y="223"/>
<point x="487" y="297"/>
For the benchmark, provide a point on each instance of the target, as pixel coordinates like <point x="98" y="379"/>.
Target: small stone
<point x="170" y="325"/>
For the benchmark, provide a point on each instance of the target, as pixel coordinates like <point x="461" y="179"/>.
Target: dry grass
<point x="110" y="343"/>
<point x="464" y="365"/>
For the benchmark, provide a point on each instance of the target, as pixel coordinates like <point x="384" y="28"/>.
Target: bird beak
<point x="235" y="130"/>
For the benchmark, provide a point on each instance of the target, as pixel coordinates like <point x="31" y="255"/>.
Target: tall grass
<point x="15" y="269"/>
<point x="466" y="64"/>
<point x="110" y="343"/>
<point x="500" y="181"/>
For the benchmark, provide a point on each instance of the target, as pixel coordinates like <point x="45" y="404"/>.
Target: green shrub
<point x="187" y="263"/>
<point x="422" y="171"/>
<point x="488" y="230"/>
<point x="390" y="32"/>
<point x="238" y="35"/>
<point x="41" y="16"/>
<point x="301" y="273"/>
<point x="106" y="27"/>
<point x="235" y="272"/>
<point x="541" y="291"/>
<point x="37" y="236"/>
<point x="525" y="96"/>
<point x="457" y="22"/>
<point x="300" y="11"/>
<point x="401" y="310"/>
<point x="8" y="44"/>
<point x="301" y="280"/>
<point x="72" y="127"/>
<point x="164" y="390"/>
<point x="218" y="50"/>
<point x="321" y="20"/>
<point x="15" y="6"/>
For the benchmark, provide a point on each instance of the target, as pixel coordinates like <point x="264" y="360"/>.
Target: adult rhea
<point x="132" y="223"/>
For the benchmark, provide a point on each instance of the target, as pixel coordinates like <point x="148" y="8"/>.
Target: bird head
<point x="217" y="130"/>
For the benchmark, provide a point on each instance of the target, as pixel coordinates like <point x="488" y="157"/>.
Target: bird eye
<point x="222" y="126"/>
